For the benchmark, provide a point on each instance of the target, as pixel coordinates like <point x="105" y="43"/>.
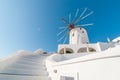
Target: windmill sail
<point x="80" y="16"/>
<point x="76" y="14"/>
<point x="87" y="15"/>
<point x="85" y="25"/>
<point x="62" y="37"/>
<point x="61" y="31"/>
<point x="71" y="23"/>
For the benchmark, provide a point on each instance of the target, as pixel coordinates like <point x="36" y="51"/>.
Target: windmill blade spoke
<point x="69" y="18"/>
<point x="83" y="12"/>
<point x="61" y="31"/>
<point x="76" y="14"/>
<point x="86" y="24"/>
<point x="66" y="37"/>
<point x="65" y="40"/>
<point x="87" y="15"/>
<point x="65" y="21"/>
<point x="62" y="37"/>
<point x="80" y="16"/>
<point x="77" y="20"/>
<point x="63" y="27"/>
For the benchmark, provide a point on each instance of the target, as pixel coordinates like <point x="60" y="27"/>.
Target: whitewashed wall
<point x="104" y="46"/>
<point x="99" y="66"/>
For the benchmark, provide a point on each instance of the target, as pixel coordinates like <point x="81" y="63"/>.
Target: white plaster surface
<point x="103" y="65"/>
<point x="78" y="36"/>
<point x="24" y="65"/>
<point x="116" y="39"/>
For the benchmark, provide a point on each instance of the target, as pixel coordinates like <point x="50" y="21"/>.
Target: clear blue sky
<point x="33" y="24"/>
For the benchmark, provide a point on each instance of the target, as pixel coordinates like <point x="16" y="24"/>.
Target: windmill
<point x="72" y="24"/>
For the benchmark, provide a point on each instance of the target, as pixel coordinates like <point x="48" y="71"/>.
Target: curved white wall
<point x="97" y="66"/>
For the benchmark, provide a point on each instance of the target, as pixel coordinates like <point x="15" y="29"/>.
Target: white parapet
<point x="103" y="65"/>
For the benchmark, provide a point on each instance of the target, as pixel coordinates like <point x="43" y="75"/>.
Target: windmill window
<point x="73" y="34"/>
<point x="68" y="51"/>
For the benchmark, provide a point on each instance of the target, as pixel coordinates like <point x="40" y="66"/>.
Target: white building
<point x="116" y="40"/>
<point x="79" y="43"/>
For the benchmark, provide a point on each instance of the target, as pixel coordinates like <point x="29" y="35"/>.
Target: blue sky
<point x="33" y="24"/>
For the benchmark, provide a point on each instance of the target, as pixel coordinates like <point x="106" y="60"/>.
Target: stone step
<point x="27" y="66"/>
<point x="24" y="67"/>
<point x="22" y="77"/>
<point x="31" y="62"/>
<point x="22" y="71"/>
<point x="34" y="57"/>
<point x="25" y="71"/>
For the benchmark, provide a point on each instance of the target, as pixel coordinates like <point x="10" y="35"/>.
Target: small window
<point x="92" y="50"/>
<point x="66" y="78"/>
<point x="80" y="28"/>
<point x="68" y="51"/>
<point x="73" y="34"/>
<point x="82" y="31"/>
<point x="87" y="42"/>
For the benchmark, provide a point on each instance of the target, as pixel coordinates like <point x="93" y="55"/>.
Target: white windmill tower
<point x="77" y="34"/>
